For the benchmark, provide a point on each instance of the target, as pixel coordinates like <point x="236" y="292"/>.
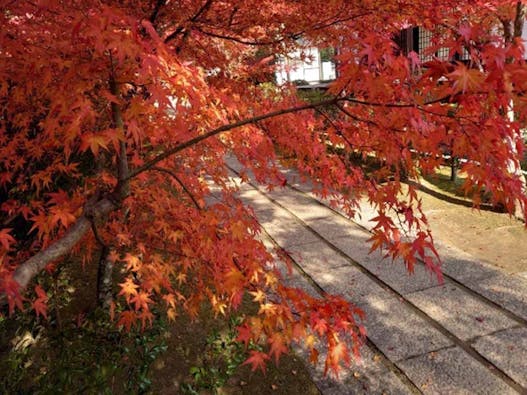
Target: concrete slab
<point x="302" y="206"/>
<point x="289" y="233"/>
<point x="452" y="371"/>
<point x="461" y="313"/>
<point x="393" y="273"/>
<point x="397" y="276"/>
<point x="429" y="358"/>
<point x="462" y="266"/>
<point x="236" y="182"/>
<point x="367" y="212"/>
<point x="508" y="351"/>
<point x="243" y="186"/>
<point x="212" y="199"/>
<point x="350" y="283"/>
<point x="335" y="227"/>
<point x="369" y="375"/>
<point x="317" y="258"/>
<point x="297" y="280"/>
<point x="273" y="214"/>
<point x="233" y="162"/>
<point x="508" y="291"/>
<point x="465" y="270"/>
<point x="267" y="242"/>
<point x="254" y="199"/>
<point x="306" y="187"/>
<point x="398" y="331"/>
<point x="293" y="278"/>
<point x="294" y="178"/>
<point x="356" y="246"/>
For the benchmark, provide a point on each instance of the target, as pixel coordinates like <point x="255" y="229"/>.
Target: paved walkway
<point x="466" y="336"/>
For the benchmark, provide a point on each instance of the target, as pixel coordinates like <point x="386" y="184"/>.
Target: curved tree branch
<point x="99" y="209"/>
<point x="30" y="268"/>
<point x="181" y="184"/>
<point x="155" y="11"/>
<point x="226" y="128"/>
<point x="204" y="8"/>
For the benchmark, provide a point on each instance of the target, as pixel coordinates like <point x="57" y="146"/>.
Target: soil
<point x="491" y="237"/>
<point x="186" y="347"/>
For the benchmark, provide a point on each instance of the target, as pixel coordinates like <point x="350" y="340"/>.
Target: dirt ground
<point x="188" y="347"/>
<point x="491" y="237"/>
<point x="289" y="377"/>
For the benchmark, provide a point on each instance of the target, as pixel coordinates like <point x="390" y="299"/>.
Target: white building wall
<point x="307" y="68"/>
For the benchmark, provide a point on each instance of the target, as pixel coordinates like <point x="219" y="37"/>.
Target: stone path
<point x="466" y="336"/>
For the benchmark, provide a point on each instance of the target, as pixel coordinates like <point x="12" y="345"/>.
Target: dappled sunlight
<point x="514" y="341"/>
<point x="24" y="340"/>
<point x="462" y="314"/>
<point x="398" y="317"/>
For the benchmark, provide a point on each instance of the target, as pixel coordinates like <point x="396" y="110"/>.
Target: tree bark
<point x="104" y="279"/>
<point x="513" y="29"/>
<point x="30" y="268"/>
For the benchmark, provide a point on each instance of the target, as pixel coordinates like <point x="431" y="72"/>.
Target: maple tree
<point x="117" y="116"/>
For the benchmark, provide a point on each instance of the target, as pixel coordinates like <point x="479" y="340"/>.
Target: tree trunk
<point x="513" y="29"/>
<point x="104" y="279"/>
<point x="453" y="169"/>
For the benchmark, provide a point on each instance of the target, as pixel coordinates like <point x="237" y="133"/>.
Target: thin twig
<point x="175" y="177"/>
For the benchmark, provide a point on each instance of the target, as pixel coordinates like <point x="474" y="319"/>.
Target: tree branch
<point x="194" y="18"/>
<point x="30" y="268"/>
<point x="244" y="41"/>
<point x="226" y="128"/>
<point x="155" y="11"/>
<point x="95" y="209"/>
<point x="291" y="36"/>
<point x="123" y="188"/>
<point x="521" y="13"/>
<point x="99" y="209"/>
<point x="178" y="180"/>
<point x="253" y="120"/>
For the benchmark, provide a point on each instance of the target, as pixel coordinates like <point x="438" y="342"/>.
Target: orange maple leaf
<point x="234" y="280"/>
<point x="336" y="354"/>
<point x="94" y="142"/>
<point x="278" y="346"/>
<point x="466" y="79"/>
<point x="141" y="300"/>
<point x="128" y="288"/>
<point x="127" y="319"/>
<point x="244" y="334"/>
<point x="132" y="262"/>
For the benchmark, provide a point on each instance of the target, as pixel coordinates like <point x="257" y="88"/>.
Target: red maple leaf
<point x="244" y="334"/>
<point x="6" y="239"/>
<point x="39" y="304"/>
<point x="257" y="360"/>
<point x="127" y="319"/>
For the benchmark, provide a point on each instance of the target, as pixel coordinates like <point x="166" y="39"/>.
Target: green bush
<point x="88" y="356"/>
<point x="223" y="356"/>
